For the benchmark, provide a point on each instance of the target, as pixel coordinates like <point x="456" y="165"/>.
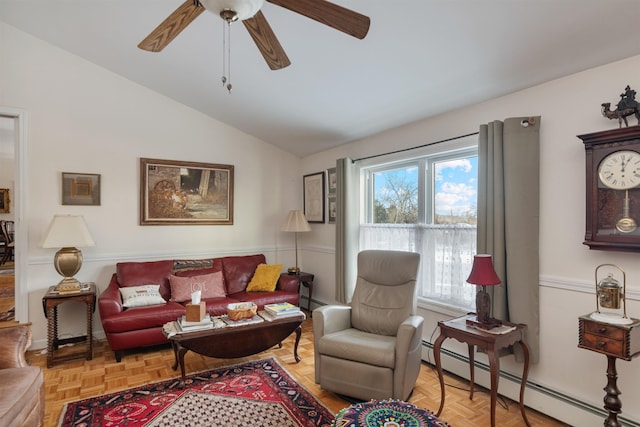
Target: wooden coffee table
<point x="236" y="341"/>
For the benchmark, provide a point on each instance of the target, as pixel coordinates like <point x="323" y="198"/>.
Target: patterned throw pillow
<point x="265" y="278"/>
<point x="141" y="296"/>
<point x="211" y="285"/>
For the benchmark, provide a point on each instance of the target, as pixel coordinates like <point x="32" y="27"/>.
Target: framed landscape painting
<point x="314" y="197"/>
<point x="185" y="193"/>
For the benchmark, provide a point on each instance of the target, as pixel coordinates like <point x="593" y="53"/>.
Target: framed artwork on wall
<point x="332" y="180"/>
<point x="331" y="201"/>
<point x="80" y="189"/>
<point x="185" y="193"/>
<point x="4" y="200"/>
<point x="313" y="186"/>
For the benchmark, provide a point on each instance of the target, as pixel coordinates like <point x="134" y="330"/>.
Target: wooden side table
<point x="306" y="280"/>
<point x="615" y="342"/>
<point x="491" y="342"/>
<point x="50" y="302"/>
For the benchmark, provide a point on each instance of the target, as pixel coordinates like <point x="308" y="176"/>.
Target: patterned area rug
<point x="257" y="394"/>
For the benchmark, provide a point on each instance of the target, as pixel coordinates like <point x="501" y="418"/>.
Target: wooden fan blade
<point x="338" y="17"/>
<point x="267" y="42"/>
<point x="172" y="26"/>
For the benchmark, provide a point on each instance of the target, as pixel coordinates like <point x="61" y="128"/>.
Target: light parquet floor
<point x="78" y="379"/>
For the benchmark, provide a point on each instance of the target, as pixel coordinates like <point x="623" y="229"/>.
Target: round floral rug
<point x="386" y="413"/>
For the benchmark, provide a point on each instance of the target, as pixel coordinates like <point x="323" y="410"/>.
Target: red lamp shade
<point x="482" y="272"/>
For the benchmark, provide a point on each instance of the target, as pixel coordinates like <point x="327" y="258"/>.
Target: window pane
<point x="395" y="196"/>
<point x="456" y="191"/>
<point x="428" y="204"/>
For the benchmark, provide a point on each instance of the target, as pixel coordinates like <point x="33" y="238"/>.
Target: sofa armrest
<point x="14" y="342"/>
<point x="110" y="300"/>
<point x="288" y="283"/>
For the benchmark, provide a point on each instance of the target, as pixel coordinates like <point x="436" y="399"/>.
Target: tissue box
<point x="196" y="312"/>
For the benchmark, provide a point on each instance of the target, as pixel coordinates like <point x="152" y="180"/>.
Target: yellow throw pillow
<point x="265" y="278"/>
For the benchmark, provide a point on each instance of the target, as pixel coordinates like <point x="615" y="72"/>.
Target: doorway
<point x="13" y="143"/>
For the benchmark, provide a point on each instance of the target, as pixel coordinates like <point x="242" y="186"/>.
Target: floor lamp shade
<point x="295" y="223"/>
<point x="68" y="232"/>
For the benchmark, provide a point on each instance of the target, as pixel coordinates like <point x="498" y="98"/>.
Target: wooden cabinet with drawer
<point x="616" y="342"/>
<point x="621" y="341"/>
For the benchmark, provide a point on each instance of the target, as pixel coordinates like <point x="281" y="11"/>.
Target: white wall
<point x="569" y="106"/>
<point x="85" y="119"/>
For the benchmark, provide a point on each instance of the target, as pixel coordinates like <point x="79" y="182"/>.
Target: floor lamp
<point x="295" y="223"/>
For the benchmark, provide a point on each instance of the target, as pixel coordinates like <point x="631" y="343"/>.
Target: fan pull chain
<point x="226" y="55"/>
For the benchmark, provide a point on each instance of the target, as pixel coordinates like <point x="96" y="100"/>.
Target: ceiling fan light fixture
<point x="244" y="9"/>
<point x="229" y="15"/>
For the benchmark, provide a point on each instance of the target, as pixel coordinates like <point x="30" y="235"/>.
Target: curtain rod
<point x="415" y="148"/>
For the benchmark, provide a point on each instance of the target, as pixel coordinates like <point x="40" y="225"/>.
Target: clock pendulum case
<point x="613" y="189"/>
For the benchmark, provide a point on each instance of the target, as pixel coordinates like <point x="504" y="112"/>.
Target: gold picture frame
<point x="185" y="193"/>
<point x="5" y="202"/>
<point x="80" y="189"/>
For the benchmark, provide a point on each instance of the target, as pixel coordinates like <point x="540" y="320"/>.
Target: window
<point x="427" y="204"/>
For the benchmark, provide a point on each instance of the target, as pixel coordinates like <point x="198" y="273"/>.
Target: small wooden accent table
<point x="50" y="302"/>
<point x="615" y="342"/>
<point x="492" y="343"/>
<point x="306" y="280"/>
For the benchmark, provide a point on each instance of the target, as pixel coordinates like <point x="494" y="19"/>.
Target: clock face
<point x="620" y="170"/>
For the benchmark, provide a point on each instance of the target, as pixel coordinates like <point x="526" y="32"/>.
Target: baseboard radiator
<point x="543" y="399"/>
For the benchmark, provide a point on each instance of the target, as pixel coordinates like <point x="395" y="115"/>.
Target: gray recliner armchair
<point x="371" y="349"/>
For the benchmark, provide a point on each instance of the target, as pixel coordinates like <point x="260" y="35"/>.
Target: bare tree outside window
<point x="396" y="200"/>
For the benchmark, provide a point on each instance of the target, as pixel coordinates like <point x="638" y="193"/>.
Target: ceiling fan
<point x="248" y="11"/>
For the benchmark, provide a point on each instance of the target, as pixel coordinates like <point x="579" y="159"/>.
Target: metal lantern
<point x="609" y="292"/>
<point x="611" y="296"/>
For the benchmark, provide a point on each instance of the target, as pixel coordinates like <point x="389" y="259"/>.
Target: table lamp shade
<point x="482" y="271"/>
<point x="295" y="223"/>
<point x="67" y="232"/>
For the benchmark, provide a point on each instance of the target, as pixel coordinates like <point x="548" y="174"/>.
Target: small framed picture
<point x="331" y="201"/>
<point x="4" y="200"/>
<point x="80" y="189"/>
<point x="314" y="197"/>
<point x="332" y="180"/>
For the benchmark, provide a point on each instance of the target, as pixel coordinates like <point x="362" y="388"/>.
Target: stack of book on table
<point x="186" y="326"/>
<point x="241" y="322"/>
<point x="282" y="309"/>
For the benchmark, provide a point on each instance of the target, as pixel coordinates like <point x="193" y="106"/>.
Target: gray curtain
<point x="508" y="219"/>
<point x="347" y="223"/>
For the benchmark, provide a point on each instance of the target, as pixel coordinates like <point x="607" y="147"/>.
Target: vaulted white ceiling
<point x="421" y="58"/>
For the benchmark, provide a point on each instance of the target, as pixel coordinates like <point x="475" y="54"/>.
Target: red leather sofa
<point x="128" y="328"/>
